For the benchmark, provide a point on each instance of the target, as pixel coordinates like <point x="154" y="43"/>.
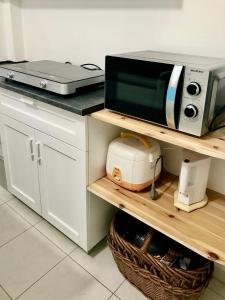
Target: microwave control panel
<point x="193" y="100"/>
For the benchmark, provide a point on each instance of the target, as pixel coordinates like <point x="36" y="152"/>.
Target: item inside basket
<point x="168" y="251"/>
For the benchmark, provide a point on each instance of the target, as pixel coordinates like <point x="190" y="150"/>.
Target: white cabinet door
<point x="20" y="161"/>
<point x="62" y="177"/>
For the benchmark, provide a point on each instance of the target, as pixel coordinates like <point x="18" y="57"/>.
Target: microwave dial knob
<point x="194" y="89"/>
<point x="43" y="84"/>
<point x="191" y="111"/>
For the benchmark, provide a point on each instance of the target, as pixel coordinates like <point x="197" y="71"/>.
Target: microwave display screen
<point x="137" y="87"/>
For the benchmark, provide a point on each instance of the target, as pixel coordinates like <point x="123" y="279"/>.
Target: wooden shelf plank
<point x="202" y="230"/>
<point x="212" y="144"/>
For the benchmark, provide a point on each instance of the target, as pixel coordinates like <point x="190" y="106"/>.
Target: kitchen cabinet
<point x="21" y="168"/>
<point x="62" y="178"/>
<point x="46" y="174"/>
<point x="51" y="156"/>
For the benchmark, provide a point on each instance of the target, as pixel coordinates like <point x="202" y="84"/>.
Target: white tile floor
<point x="37" y="262"/>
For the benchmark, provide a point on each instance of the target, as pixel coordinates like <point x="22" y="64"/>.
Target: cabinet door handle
<point x="31" y="147"/>
<point x="38" y="152"/>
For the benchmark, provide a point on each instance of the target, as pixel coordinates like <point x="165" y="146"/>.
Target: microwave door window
<point x="140" y="91"/>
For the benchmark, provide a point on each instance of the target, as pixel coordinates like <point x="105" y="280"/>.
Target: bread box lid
<point x="134" y="147"/>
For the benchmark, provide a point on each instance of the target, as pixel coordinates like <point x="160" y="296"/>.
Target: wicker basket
<point x="154" y="279"/>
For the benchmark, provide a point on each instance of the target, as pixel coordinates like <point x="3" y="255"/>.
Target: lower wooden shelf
<point x="202" y="230"/>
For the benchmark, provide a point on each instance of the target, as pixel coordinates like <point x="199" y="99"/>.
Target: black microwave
<point x="178" y="91"/>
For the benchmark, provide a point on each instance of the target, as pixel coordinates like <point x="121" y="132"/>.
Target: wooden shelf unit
<point x="212" y="144"/>
<point x="202" y="230"/>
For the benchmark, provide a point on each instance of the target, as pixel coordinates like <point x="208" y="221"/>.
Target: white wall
<point x="3" y="52"/>
<point x="86" y="30"/>
<point x="11" y="36"/>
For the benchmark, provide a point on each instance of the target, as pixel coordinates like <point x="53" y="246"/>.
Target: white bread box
<point x="131" y="161"/>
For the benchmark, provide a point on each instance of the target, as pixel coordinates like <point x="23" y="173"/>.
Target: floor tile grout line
<point x="34" y="225"/>
<point x="11" y="198"/>
<point x="42" y="219"/>
<point x="30" y="227"/>
<point x="53" y="242"/>
<point x="217" y="279"/>
<point x="7" y="200"/>
<point x="119" y="287"/>
<point x="212" y="290"/>
<point x="91" y="274"/>
<point x="77" y="247"/>
<point x="67" y="254"/>
<point x="6" y="292"/>
<point x="22" y="216"/>
<point x="61" y="260"/>
<point x="15" y="237"/>
<point x="115" y="296"/>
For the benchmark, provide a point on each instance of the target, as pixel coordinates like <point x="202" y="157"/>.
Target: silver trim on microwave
<point x="171" y="95"/>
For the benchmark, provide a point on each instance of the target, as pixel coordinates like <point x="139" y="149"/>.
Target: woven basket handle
<point x="147" y="241"/>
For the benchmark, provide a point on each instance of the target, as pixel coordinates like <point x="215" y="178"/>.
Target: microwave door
<point x="171" y="96"/>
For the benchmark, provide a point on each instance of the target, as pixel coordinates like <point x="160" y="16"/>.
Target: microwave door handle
<point x="171" y="95"/>
<point x="213" y="100"/>
<point x="219" y="76"/>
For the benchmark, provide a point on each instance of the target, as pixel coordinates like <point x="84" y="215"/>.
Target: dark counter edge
<point x="42" y="97"/>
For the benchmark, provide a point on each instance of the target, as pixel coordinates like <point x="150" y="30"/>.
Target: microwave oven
<point x="182" y="92"/>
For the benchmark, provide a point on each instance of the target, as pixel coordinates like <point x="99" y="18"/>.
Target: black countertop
<point x="82" y="103"/>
